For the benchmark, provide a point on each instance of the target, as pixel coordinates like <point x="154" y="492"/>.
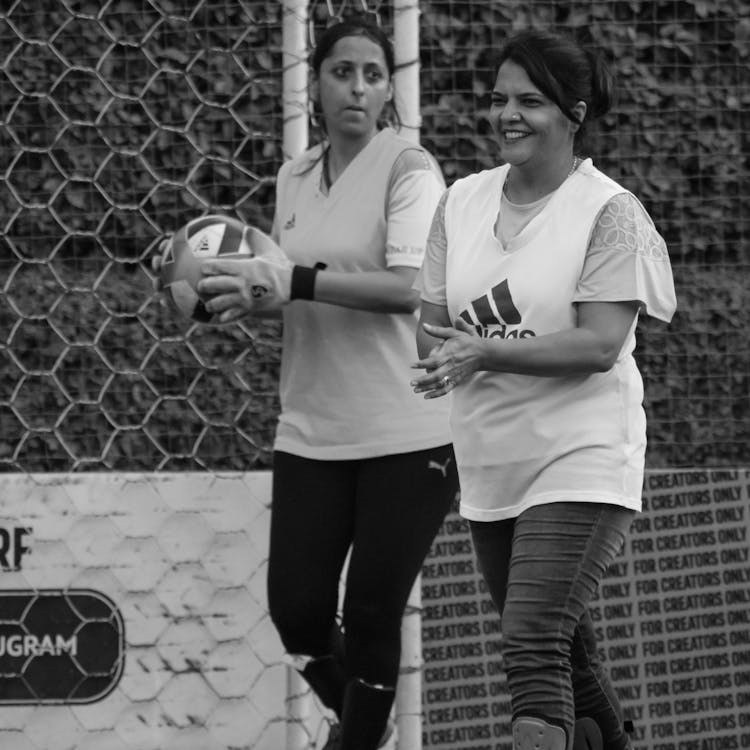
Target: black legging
<point x="388" y="509"/>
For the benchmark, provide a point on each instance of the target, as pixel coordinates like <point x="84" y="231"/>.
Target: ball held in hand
<point x="207" y="237"/>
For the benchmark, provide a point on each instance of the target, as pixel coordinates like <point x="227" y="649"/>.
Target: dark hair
<point x="356" y="26"/>
<point x="564" y="71"/>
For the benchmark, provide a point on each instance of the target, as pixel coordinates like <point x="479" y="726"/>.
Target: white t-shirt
<point x="524" y="440"/>
<point x="345" y="373"/>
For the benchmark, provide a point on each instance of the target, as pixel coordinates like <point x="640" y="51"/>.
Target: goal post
<point x="294" y="77"/>
<point x="406" y="85"/>
<point x="406" y="52"/>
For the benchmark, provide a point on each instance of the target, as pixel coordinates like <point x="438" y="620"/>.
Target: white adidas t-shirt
<point x="524" y="440"/>
<point x="345" y="373"/>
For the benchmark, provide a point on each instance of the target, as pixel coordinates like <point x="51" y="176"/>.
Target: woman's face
<point x="530" y="127"/>
<point x="352" y="87"/>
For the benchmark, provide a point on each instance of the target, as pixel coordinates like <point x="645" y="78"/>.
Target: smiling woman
<point x="534" y="134"/>
<point x="544" y="265"/>
<point x="540" y="118"/>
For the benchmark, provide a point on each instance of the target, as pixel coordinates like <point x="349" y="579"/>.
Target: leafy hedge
<point x="117" y="124"/>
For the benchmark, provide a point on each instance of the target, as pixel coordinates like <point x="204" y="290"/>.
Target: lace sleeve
<point x="627" y="260"/>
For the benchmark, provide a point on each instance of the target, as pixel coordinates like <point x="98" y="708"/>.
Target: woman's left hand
<point x="451" y="362"/>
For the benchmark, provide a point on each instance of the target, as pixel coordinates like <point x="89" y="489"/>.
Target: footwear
<point x="325" y="675"/>
<point x="365" y="722"/>
<point x="334" y="738"/>
<point x="388" y="740"/>
<point x="532" y="733"/>
<point x="587" y="735"/>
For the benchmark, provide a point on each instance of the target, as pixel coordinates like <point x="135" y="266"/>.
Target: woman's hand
<point x="244" y="286"/>
<point x="257" y="285"/>
<point x="592" y="346"/>
<point x="451" y="362"/>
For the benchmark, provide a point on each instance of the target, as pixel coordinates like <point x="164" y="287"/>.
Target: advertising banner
<point x="672" y="616"/>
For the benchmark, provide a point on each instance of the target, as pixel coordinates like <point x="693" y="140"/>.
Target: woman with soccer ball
<point x="360" y="462"/>
<point x="534" y="277"/>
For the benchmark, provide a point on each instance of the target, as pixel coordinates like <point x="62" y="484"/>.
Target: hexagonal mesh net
<point x="118" y="122"/>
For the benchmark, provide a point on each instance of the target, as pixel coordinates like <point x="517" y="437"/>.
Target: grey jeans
<point x="542" y="570"/>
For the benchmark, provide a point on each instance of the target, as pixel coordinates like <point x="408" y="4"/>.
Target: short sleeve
<point x="430" y="281"/>
<point x="415" y="189"/>
<point x="627" y="260"/>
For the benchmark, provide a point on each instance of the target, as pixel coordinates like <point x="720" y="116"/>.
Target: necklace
<point x="576" y="163"/>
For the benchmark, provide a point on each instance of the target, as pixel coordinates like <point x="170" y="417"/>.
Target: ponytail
<point x="602" y="84"/>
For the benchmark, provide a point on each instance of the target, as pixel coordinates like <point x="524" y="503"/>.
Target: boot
<point x="387" y="741"/>
<point x="365" y="720"/>
<point x="587" y="736"/>
<point x="334" y="738"/>
<point x="532" y="733"/>
<point x="325" y="675"/>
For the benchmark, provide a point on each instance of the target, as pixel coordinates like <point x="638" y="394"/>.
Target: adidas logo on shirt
<point x="493" y="313"/>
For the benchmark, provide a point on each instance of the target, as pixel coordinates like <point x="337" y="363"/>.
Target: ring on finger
<point x="446" y="381"/>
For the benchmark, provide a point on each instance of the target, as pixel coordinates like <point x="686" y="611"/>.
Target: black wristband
<point x="303" y="282"/>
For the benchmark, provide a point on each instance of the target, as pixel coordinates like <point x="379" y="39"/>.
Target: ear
<point x="389" y="95"/>
<point x="579" y="110"/>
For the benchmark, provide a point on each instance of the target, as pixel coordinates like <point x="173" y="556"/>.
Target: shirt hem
<point x="353" y="452"/>
<point x="500" y="514"/>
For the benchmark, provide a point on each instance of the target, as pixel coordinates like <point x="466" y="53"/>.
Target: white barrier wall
<point x="133" y="614"/>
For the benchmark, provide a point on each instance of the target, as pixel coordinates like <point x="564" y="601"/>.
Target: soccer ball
<point x="199" y="239"/>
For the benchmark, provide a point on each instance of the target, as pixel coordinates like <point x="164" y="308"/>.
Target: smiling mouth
<point x="514" y="135"/>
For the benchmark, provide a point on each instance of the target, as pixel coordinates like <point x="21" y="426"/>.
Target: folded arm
<point x="593" y="345"/>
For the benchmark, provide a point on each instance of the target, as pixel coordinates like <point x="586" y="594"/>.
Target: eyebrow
<point x="347" y="61"/>
<point x="523" y="93"/>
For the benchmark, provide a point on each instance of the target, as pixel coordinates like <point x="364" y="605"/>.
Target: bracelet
<point x="303" y="282"/>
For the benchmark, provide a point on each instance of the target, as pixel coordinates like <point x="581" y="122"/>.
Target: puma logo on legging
<point x="442" y="468"/>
